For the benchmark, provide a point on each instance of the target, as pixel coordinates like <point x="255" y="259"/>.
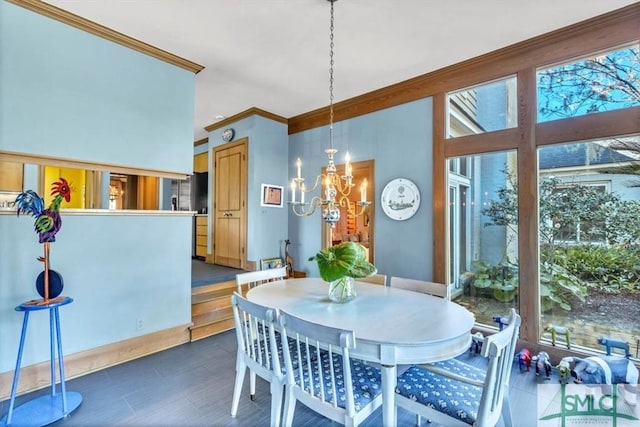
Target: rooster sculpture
<point x="47" y="224"/>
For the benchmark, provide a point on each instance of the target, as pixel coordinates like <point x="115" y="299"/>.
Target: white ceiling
<point x="274" y="54"/>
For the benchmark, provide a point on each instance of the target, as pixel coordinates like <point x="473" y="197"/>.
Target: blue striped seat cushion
<point x="366" y="379"/>
<point x="454" y="398"/>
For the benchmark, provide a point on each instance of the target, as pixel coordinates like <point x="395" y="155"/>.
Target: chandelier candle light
<point x="337" y="189"/>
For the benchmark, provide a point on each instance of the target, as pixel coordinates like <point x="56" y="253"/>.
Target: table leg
<point x="52" y="351"/>
<point x="63" y="388"/>
<point x="389" y="378"/>
<point x="16" y="373"/>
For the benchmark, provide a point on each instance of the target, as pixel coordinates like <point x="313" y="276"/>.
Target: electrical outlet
<point x="139" y="325"/>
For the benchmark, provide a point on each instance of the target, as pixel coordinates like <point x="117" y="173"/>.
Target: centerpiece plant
<point x="340" y="265"/>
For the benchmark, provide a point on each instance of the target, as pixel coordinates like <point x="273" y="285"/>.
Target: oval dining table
<point x="392" y="326"/>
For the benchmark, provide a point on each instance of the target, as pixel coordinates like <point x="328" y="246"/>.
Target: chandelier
<point x="335" y="188"/>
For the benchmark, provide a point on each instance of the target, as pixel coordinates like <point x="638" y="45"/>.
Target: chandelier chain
<point x="335" y="190"/>
<point x="331" y="27"/>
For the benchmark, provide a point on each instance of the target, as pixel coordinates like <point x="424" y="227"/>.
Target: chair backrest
<point x="376" y="279"/>
<point x="431" y="288"/>
<point x="246" y="281"/>
<point x="499" y="349"/>
<point x="255" y="331"/>
<point x="319" y="371"/>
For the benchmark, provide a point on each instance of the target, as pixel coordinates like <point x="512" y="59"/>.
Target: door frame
<point x="366" y="169"/>
<point x="244" y="190"/>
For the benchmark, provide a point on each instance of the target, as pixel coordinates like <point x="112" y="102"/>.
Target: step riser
<point x="212" y="305"/>
<point x="211" y="329"/>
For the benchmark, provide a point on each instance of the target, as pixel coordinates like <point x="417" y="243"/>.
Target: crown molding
<point x="253" y="111"/>
<point x="201" y="141"/>
<point x="96" y="29"/>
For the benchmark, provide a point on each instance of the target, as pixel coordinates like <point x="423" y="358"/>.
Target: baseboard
<point x="37" y="376"/>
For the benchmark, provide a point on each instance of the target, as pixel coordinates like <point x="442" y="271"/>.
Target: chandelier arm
<point x="300" y="181"/>
<point x="299" y="208"/>
<point x="345" y="202"/>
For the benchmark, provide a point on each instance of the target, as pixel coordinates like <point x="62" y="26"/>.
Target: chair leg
<point x="252" y="384"/>
<point x="237" y="388"/>
<point x="276" y="403"/>
<point x="289" y="407"/>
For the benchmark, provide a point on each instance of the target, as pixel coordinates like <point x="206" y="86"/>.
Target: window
<point x="484" y="108"/>
<point x="602" y="82"/>
<point x="483" y="235"/>
<point x="590" y="240"/>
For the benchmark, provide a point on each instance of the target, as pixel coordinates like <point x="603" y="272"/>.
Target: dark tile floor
<point x="192" y="385"/>
<point x="203" y="273"/>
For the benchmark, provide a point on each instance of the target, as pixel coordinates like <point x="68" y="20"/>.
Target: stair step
<point x="211" y="329"/>
<point x="213" y="305"/>
<point x="212" y="317"/>
<point x="211" y="311"/>
<point x="212" y="287"/>
<point x="212" y="295"/>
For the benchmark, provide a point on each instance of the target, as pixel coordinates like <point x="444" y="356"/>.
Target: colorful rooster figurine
<point x="48" y="222"/>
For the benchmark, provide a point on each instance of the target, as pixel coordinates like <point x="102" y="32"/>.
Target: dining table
<point x="392" y="327"/>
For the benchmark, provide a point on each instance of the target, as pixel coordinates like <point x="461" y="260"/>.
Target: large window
<point x="590" y="240"/>
<point x="483" y="235"/>
<point x="553" y="228"/>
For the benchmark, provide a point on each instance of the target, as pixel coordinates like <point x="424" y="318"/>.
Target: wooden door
<point x="229" y="208"/>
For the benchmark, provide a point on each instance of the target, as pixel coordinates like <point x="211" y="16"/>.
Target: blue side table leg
<point x="60" y="363"/>
<point x="16" y="374"/>
<point x="52" y="353"/>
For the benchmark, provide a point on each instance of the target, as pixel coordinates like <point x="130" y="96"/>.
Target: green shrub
<point x="558" y="287"/>
<point x="609" y="269"/>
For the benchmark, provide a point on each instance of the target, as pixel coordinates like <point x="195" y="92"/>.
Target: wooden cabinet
<point x="10" y="176"/>
<point x="201" y="162"/>
<point x="201" y="236"/>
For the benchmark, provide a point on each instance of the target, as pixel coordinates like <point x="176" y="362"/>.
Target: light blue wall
<point x="69" y="94"/>
<point x="65" y="93"/>
<point x="267" y="164"/>
<point x="116" y="268"/>
<point x="400" y="140"/>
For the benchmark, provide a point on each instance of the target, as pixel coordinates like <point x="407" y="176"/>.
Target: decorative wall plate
<point x="228" y="134"/>
<point x="400" y="199"/>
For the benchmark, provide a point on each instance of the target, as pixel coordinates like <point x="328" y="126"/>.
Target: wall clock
<point x="227" y="134"/>
<point x="400" y="199"/>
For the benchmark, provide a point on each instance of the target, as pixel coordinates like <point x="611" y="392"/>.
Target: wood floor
<point x="192" y="385"/>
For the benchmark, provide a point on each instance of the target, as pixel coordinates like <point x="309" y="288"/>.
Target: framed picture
<point x="269" y="263"/>
<point x="271" y="196"/>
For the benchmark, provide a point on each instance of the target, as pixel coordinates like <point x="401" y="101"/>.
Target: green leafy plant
<point x="558" y="287"/>
<point x="500" y="280"/>
<point x="347" y="259"/>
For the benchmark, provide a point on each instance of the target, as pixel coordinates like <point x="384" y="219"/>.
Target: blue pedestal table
<point x="54" y="406"/>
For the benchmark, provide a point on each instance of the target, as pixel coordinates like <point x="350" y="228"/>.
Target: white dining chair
<point x="376" y="279"/>
<point x="321" y="375"/>
<point x="431" y="288"/>
<point x="246" y="281"/>
<point x="460" y="394"/>
<point x="257" y="351"/>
